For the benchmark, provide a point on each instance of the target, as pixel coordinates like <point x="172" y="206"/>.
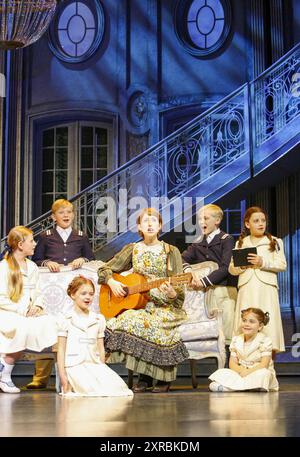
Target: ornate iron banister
<point x="169" y="169"/>
<point x="275" y="98"/>
<point x="191" y="155"/>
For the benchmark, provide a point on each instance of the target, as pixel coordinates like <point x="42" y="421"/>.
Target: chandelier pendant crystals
<point x="22" y="22"/>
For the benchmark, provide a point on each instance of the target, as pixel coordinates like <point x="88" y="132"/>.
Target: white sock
<point x="227" y="389"/>
<point x="216" y="387"/>
<point x="6" y="372"/>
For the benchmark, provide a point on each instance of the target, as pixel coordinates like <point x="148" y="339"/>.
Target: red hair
<point x="77" y="282"/>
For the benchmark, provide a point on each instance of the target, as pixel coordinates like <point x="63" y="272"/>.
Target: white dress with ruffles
<point x="249" y="355"/>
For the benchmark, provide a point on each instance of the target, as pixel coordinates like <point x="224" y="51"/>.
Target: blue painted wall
<point x="184" y="74"/>
<point x="141" y="53"/>
<point x="151" y="59"/>
<point x="296" y="21"/>
<point x="92" y="82"/>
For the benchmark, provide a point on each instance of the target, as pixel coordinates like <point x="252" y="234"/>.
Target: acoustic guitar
<point x="136" y="287"/>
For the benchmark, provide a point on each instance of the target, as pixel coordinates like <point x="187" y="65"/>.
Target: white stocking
<point x="6" y="370"/>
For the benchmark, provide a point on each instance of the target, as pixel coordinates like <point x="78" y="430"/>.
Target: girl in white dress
<point x="258" y="281"/>
<point x="81" y="355"/>
<point x="250" y="365"/>
<point x="23" y="324"/>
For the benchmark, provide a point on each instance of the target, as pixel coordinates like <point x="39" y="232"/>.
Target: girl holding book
<point x="257" y="284"/>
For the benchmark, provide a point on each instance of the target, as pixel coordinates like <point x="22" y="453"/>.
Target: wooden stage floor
<point x="183" y="412"/>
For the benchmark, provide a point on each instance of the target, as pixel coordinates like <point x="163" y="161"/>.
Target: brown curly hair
<point x="263" y="318"/>
<point x="245" y="232"/>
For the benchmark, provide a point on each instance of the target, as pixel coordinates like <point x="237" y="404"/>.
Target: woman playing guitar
<point x="147" y="339"/>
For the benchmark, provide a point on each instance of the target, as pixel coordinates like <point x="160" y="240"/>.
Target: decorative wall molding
<point x="138" y="107"/>
<point x="136" y="144"/>
<point x="183" y="100"/>
<point x="138" y="110"/>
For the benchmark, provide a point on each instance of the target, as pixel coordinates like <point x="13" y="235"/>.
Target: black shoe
<point x="161" y="387"/>
<point x="140" y="387"/>
<point x="143" y="384"/>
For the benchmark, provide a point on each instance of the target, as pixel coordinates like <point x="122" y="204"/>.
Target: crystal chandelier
<point x="22" y="22"/>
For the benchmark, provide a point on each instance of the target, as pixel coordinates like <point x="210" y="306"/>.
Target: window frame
<point x="180" y="17"/>
<point x="53" y="39"/>
<point x="74" y="144"/>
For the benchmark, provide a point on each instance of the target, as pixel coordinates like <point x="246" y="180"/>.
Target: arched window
<point x="77" y="30"/>
<point x="203" y="26"/>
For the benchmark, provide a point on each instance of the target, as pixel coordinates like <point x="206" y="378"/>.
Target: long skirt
<point x="264" y="296"/>
<point x="260" y="379"/>
<point x="18" y="332"/>
<point x="148" y="340"/>
<point x="96" y="380"/>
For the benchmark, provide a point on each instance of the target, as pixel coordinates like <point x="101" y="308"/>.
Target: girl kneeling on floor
<point x="250" y="366"/>
<point x="81" y="356"/>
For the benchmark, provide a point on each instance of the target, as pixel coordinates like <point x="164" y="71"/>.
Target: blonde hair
<point x="15" y="280"/>
<point x="77" y="282"/>
<point x="61" y="203"/>
<point x="215" y="209"/>
<point x="149" y="212"/>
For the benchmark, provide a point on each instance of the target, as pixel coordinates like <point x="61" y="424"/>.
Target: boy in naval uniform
<point x="61" y="245"/>
<point x="216" y="246"/>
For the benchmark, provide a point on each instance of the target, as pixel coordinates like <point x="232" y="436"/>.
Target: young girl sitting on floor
<point x="250" y="366"/>
<point x="81" y="356"/>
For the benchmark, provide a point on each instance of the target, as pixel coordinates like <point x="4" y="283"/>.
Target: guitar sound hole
<point x="126" y="290"/>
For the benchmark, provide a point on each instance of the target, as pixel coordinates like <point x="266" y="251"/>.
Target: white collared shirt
<point x="64" y="233"/>
<point x="211" y="236"/>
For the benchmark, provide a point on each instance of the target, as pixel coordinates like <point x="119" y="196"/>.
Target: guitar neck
<point x="177" y="280"/>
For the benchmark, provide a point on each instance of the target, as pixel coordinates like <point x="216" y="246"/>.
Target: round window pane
<point x="77" y="30"/>
<point x="206" y="25"/>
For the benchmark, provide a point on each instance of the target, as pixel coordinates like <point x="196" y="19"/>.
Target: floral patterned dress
<point x="148" y="339"/>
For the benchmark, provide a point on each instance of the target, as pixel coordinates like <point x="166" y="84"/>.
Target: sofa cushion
<point x="193" y="331"/>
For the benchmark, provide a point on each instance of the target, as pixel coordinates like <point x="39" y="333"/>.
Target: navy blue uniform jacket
<point x="219" y="250"/>
<point x="51" y="246"/>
